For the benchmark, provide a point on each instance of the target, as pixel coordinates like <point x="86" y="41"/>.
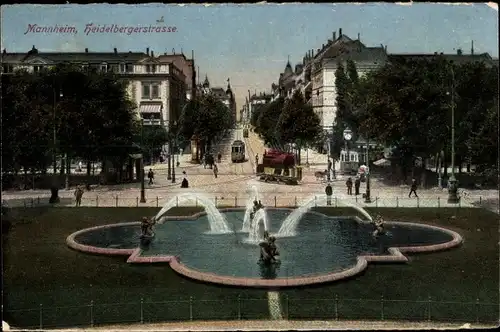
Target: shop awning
<point x="150" y="108"/>
<point x="135" y="156"/>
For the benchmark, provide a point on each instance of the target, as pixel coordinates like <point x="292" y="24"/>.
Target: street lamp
<point x="367" y="195"/>
<point x="143" y="191"/>
<point x="174" y="147"/>
<point x="347" y="137"/>
<point x="54" y="197"/>
<point x="169" y="152"/>
<point x="452" y="182"/>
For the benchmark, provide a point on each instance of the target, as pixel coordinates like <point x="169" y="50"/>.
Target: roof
<point x="365" y="54"/>
<point x="58" y="57"/>
<point x="452" y="57"/>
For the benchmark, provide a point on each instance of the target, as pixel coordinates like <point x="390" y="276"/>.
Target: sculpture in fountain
<point x="268" y="249"/>
<point x="379" y="226"/>
<point x="147" y="232"/>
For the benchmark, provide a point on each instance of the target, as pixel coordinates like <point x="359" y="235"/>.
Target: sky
<point x="250" y="44"/>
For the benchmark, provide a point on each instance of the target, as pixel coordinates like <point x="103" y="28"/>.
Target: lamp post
<point x="143" y="191"/>
<point x="347" y="137"/>
<point x="174" y="148"/>
<point x="452" y="182"/>
<point x="54" y="197"/>
<point x="367" y="195"/>
<point x="169" y="152"/>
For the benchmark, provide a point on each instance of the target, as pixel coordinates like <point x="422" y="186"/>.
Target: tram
<point x="238" y="151"/>
<point x="245" y="132"/>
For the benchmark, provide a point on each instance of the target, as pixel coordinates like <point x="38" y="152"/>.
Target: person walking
<point x="413" y="188"/>
<point x="328" y="192"/>
<point x="151" y="176"/>
<point x="216" y="170"/>
<point x="357" y="184"/>
<point x="78" y="196"/>
<point x="256" y="159"/>
<point x="219" y="157"/>
<point x="348" y="184"/>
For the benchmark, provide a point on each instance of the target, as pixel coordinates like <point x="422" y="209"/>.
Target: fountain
<point x="290" y="224"/>
<point x="258" y="226"/>
<point x="218" y="223"/>
<point x="253" y="197"/>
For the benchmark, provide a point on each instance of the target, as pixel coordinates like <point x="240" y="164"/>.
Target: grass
<point x="468" y="274"/>
<point x="40" y="269"/>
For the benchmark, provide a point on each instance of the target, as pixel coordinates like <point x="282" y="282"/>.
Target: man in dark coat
<point x="348" y="184"/>
<point x="413" y="188"/>
<point x="328" y="192"/>
<point x="357" y="184"/>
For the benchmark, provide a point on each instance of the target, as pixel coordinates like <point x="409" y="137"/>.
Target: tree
<point x="298" y="123"/>
<point x="153" y="139"/>
<point x="206" y="118"/>
<point x="256" y="112"/>
<point x="267" y="121"/>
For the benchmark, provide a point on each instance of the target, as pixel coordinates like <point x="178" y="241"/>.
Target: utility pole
<point x="143" y="190"/>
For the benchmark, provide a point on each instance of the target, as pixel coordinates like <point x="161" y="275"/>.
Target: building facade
<point x="155" y="85"/>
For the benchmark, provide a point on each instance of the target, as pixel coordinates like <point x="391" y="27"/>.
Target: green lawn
<point x="40" y="269"/>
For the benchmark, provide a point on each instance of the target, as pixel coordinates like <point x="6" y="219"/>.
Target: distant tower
<point x="472" y="48"/>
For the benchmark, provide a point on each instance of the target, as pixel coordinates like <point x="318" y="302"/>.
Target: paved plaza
<point x="233" y="184"/>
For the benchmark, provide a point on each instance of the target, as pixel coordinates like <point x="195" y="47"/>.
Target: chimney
<point x="358" y="36"/>
<point x="323" y="46"/>
<point x="152" y="54"/>
<point x="435" y="53"/>
<point x="116" y="51"/>
<point x="340" y="32"/>
<point x="318" y="50"/>
<point x="385" y="48"/>
<point x="459" y="51"/>
<point x="192" y="55"/>
<point x="173" y="51"/>
<point x="312" y="53"/>
<point x="334" y="35"/>
<point x="4" y="51"/>
<point x="86" y="50"/>
<point x="147" y="51"/>
<point x="472" y="48"/>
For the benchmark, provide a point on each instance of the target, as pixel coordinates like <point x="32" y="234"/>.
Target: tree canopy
<point x="267" y="121"/>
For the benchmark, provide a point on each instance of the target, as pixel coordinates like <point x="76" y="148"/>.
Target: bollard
<point x="336" y="201"/>
<point x="137" y="201"/>
<point x="177" y="201"/>
<point x="239" y="307"/>
<point x="157" y="202"/>
<point x="315" y="201"/>
<point x="38" y="200"/>
<point x="336" y="307"/>
<point x="295" y="201"/>
<point x="235" y="201"/>
<point x="397" y="201"/>
<point x="97" y="201"/>
<point x="477" y="310"/>
<point x="41" y="316"/>
<point x="190" y="308"/>
<point x="382" y="308"/>
<point x="215" y="201"/>
<point x="439" y="202"/>
<point x="376" y="202"/>
<point x="116" y="200"/>
<point x="480" y="199"/>
<point x="196" y="202"/>
<point x="32" y="202"/>
<point x="92" y="313"/>
<point x="275" y="204"/>
<point x="142" y="310"/>
<point x="429" y="309"/>
<point x="418" y="202"/>
<point x="356" y="198"/>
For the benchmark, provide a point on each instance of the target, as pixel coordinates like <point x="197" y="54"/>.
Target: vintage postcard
<point x="250" y="166"/>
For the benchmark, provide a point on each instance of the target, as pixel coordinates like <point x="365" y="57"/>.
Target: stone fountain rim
<point x="395" y="256"/>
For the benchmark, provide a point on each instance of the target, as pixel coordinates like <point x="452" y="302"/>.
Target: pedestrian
<point x="205" y="161"/>
<point x="219" y="157"/>
<point x="348" y="184"/>
<point x="413" y="188"/>
<point x="257" y="159"/>
<point x="357" y="184"/>
<point x="78" y="196"/>
<point x="216" y="170"/>
<point x="329" y="165"/>
<point x="79" y="167"/>
<point x="328" y="192"/>
<point x="151" y="176"/>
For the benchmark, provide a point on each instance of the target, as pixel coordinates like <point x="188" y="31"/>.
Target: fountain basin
<point x="325" y="249"/>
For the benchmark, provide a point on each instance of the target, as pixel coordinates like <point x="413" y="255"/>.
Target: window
<point x="146" y="91"/>
<point x="104" y="68"/>
<point x="123" y="67"/>
<point x="151" y="69"/>
<point x="36" y="69"/>
<point x="130" y="68"/>
<point x="8" y="68"/>
<point x="85" y="66"/>
<point x="155" y="93"/>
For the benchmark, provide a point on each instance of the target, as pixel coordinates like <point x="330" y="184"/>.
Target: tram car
<point x="278" y="166"/>
<point x="238" y="151"/>
<point x="245" y="132"/>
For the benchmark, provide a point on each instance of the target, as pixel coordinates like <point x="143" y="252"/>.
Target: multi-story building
<point x="156" y="86"/>
<point x="226" y="96"/>
<point x="187" y="67"/>
<point x="252" y="102"/>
